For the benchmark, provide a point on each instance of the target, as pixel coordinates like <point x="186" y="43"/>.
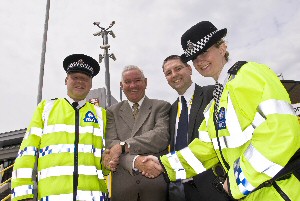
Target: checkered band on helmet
<point x="80" y="64"/>
<point x="193" y="48"/>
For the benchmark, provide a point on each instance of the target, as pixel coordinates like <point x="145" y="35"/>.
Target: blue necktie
<point x="182" y="130"/>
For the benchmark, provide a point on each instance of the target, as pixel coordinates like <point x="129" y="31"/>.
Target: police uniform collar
<point x="80" y="103"/>
<point x="223" y="77"/>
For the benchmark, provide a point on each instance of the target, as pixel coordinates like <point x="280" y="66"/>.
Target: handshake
<point x="148" y="165"/>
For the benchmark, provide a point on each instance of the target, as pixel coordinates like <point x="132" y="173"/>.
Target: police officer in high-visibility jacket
<point x="66" y="136"/>
<point x="250" y="127"/>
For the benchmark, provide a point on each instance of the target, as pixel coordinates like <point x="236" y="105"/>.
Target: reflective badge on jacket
<point x="221" y="119"/>
<point x="90" y="117"/>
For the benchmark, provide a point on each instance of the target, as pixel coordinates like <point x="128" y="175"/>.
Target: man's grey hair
<point x="131" y="67"/>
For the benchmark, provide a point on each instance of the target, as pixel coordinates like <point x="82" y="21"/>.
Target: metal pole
<point x="104" y="32"/>
<point x="40" y="87"/>
<point x="106" y="63"/>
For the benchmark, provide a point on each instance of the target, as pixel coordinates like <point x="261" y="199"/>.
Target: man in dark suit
<point x="136" y="127"/>
<point x="178" y="75"/>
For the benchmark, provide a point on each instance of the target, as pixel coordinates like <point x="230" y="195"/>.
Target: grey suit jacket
<point x="149" y="134"/>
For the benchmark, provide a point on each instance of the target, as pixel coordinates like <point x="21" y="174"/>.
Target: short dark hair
<point x="173" y="57"/>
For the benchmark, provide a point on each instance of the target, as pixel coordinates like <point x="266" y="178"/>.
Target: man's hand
<point x="116" y="151"/>
<point x="225" y="186"/>
<point x="149" y="166"/>
<point x="110" y="161"/>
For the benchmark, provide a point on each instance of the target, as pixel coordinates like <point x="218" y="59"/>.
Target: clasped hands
<point x="149" y="165"/>
<point x="111" y="157"/>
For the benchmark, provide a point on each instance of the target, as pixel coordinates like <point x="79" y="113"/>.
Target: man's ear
<point x="66" y="80"/>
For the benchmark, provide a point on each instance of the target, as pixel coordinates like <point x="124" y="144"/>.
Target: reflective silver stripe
<point x="260" y="163"/>
<point x="59" y="128"/>
<point x="81" y="196"/>
<point x="22" y="190"/>
<point x="276" y="107"/>
<point x="98" y="131"/>
<point x="27" y="151"/>
<point x="47" y="109"/>
<point x="100" y="121"/>
<point x="22" y="173"/>
<point x="206" y="112"/>
<point x="192" y="160"/>
<point x="203" y="136"/>
<point x="258" y="119"/>
<point x="63" y="148"/>
<point x="237" y="137"/>
<point x="33" y="131"/>
<point x="69" y="148"/>
<point x="71" y="129"/>
<point x="222" y="143"/>
<point x="97" y="152"/>
<point x="66" y="170"/>
<point x="176" y="166"/>
<point x="100" y="174"/>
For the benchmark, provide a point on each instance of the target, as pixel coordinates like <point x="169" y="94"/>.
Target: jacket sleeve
<point x="261" y="99"/>
<point x="22" y="175"/>
<point x="192" y="160"/>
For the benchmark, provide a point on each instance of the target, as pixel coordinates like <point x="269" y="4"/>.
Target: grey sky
<point x="146" y="32"/>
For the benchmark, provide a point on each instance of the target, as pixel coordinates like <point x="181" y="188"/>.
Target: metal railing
<point x="6" y="181"/>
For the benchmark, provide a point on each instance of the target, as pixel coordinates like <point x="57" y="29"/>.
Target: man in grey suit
<point x="134" y="131"/>
<point x="179" y="77"/>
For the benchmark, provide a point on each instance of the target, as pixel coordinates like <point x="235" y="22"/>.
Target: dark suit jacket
<point x="148" y="135"/>
<point x="202" y="97"/>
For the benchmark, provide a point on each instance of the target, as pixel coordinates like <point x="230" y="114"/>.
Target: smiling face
<point x="178" y="75"/>
<point x="134" y="85"/>
<point x="78" y="85"/>
<point x="211" y="62"/>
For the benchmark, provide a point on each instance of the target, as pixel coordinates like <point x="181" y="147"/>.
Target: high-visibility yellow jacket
<point x="51" y="138"/>
<point x="258" y="133"/>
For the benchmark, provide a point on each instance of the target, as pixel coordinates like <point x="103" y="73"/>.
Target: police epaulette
<point x="236" y="67"/>
<point x="53" y="98"/>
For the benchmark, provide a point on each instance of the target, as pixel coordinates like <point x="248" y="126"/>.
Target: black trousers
<point x="200" y="189"/>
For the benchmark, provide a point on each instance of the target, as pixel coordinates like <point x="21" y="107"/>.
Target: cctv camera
<point x="113" y="57"/>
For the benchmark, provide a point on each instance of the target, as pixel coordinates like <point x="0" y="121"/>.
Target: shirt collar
<point x="224" y="73"/>
<point x="80" y="103"/>
<point x="140" y="102"/>
<point x="188" y="94"/>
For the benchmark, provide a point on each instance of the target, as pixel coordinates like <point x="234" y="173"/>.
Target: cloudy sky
<point x="146" y="32"/>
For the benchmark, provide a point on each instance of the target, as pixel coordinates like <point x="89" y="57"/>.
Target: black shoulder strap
<point x="236" y="67"/>
<point x="293" y="166"/>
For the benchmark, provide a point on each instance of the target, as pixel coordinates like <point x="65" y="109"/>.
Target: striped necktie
<point x="135" y="111"/>
<point x="217" y="95"/>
